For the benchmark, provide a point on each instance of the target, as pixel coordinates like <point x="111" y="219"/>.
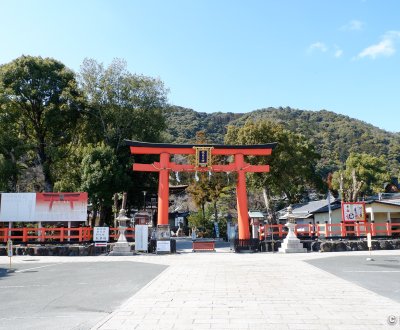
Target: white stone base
<point x="292" y="245"/>
<point x="121" y="249"/>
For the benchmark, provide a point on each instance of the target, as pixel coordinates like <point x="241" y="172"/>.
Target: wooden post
<point x="373" y="229"/>
<point x="69" y="231"/>
<point x="9" y="232"/>
<point x="163" y="190"/>
<point x="24" y="234"/>
<point x="40" y="232"/>
<point x="388" y="228"/>
<point x="241" y="194"/>
<point x="342" y="229"/>
<point x="357" y="228"/>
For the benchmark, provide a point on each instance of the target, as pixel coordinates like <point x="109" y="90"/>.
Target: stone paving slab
<point x="250" y="291"/>
<point x="246" y="291"/>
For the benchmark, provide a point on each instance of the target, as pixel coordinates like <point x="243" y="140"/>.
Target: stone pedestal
<point x="291" y="244"/>
<point x="121" y="248"/>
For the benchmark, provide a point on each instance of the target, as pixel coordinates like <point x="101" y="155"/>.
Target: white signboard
<point x="51" y="207"/>
<point x="18" y="207"/>
<point x="163" y="246"/>
<point x="141" y="237"/>
<point x="101" y="234"/>
<point x="353" y="211"/>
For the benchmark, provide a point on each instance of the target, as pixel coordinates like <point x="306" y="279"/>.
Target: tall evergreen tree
<point x="42" y="97"/>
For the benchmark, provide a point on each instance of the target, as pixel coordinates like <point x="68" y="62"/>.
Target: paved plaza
<point x="225" y="290"/>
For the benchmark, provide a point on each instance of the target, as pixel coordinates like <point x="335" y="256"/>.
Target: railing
<point x="325" y="230"/>
<point x="53" y="234"/>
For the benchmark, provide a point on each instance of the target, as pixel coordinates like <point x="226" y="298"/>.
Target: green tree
<point x="102" y="177"/>
<point x="363" y="175"/>
<point x="121" y="105"/>
<point x="199" y="191"/>
<point x="42" y="96"/>
<point x="292" y="163"/>
<point x="12" y="151"/>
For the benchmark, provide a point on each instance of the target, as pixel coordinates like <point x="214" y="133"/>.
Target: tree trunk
<point x="45" y="162"/>
<point x="266" y="200"/>
<point x="342" y="196"/>
<point x="93" y="219"/>
<point x="124" y="198"/>
<point x="215" y="211"/>
<point x="105" y="215"/>
<point x="203" y="213"/>
<point x="356" y="185"/>
<point x="115" y="209"/>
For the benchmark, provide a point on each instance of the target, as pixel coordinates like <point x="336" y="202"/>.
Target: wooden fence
<point x="337" y="230"/>
<point x="53" y="234"/>
<point x="85" y="234"/>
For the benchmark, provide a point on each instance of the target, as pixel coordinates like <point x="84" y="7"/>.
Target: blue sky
<point x="229" y="55"/>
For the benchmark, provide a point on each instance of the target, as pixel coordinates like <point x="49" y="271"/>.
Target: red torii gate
<point x="165" y="165"/>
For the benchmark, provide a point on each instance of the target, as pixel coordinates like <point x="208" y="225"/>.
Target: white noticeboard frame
<point x="164" y="246"/>
<point x="101" y="234"/>
<point x="141" y="237"/>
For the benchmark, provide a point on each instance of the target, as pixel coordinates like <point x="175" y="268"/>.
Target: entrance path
<point x="224" y="290"/>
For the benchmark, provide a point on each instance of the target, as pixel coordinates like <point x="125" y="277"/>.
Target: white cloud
<point x="386" y="47"/>
<point x="319" y="46"/>
<point x="338" y="53"/>
<point x="353" y="25"/>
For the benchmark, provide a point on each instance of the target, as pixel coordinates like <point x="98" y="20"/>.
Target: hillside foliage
<point x="334" y="136"/>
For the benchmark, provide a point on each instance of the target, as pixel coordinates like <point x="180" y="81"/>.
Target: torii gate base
<point x="238" y="165"/>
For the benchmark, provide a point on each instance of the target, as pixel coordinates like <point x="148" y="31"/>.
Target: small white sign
<point x="178" y="220"/>
<point x="100" y="244"/>
<point x="141" y="237"/>
<point x="101" y="234"/>
<point x="163" y="246"/>
<point x="369" y="240"/>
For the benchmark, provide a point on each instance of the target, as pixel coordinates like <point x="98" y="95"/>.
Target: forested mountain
<point x="333" y="135"/>
<point x="183" y="123"/>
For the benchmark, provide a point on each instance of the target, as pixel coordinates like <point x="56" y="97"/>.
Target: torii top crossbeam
<point x="203" y="154"/>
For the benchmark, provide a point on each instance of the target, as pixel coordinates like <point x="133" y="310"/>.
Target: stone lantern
<point x="121" y="247"/>
<point x="291" y="244"/>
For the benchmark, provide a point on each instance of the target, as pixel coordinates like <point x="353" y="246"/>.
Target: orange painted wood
<point x="191" y="151"/>
<point x="241" y="195"/>
<point x="163" y="190"/>
<point x="203" y="246"/>
<point x="145" y="167"/>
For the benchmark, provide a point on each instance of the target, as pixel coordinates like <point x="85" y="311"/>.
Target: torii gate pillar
<point x="163" y="190"/>
<point x="241" y="197"/>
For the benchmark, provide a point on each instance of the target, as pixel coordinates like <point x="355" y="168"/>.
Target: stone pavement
<point x="225" y="290"/>
<point x="250" y="291"/>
